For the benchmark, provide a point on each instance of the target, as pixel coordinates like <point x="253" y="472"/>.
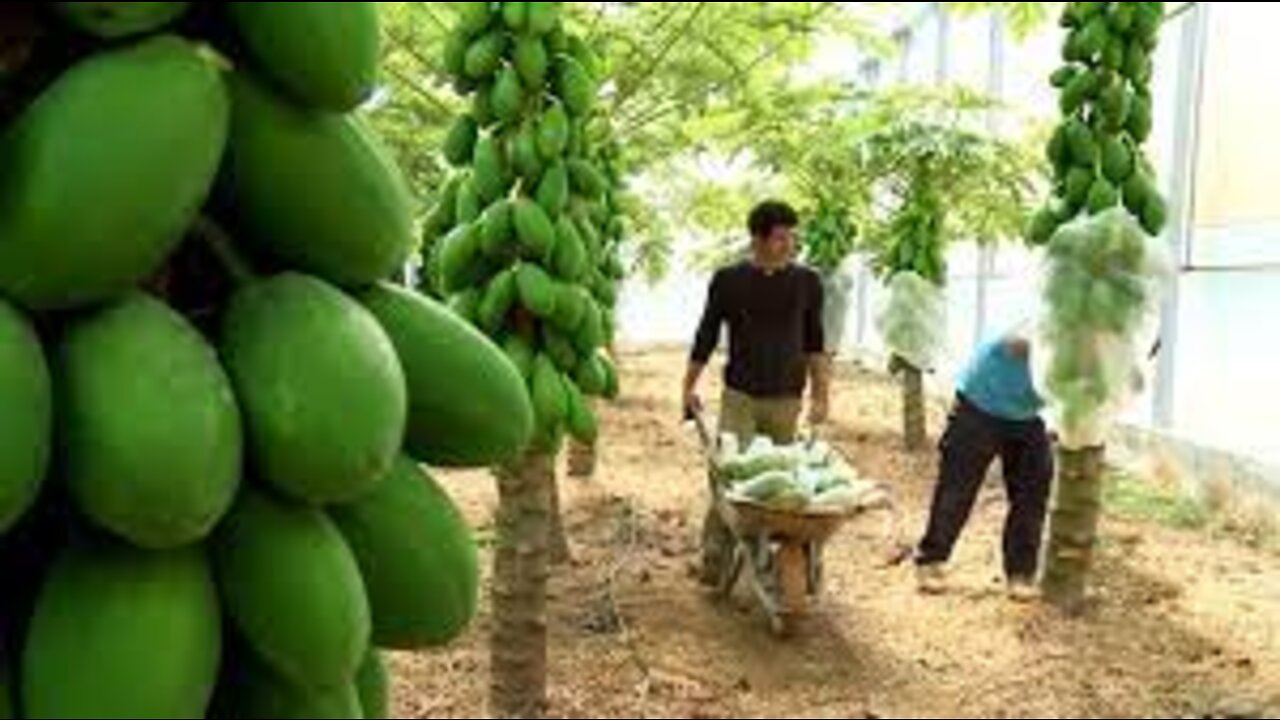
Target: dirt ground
<point x="1185" y="624"/>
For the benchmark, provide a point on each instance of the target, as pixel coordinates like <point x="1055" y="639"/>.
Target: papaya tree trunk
<point x="1073" y="528"/>
<point x="582" y="460"/>
<point x="913" y="414"/>
<point x="558" y="540"/>
<point x="519" y="641"/>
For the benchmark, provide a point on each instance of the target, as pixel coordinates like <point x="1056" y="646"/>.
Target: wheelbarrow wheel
<point x="794" y="578"/>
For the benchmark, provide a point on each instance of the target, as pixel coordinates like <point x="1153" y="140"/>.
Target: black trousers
<point x="972" y="441"/>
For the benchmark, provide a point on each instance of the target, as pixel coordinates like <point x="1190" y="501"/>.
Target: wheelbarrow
<point x="778" y="551"/>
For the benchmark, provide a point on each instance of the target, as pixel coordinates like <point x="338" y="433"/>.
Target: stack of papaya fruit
<point x="523" y="240"/>
<point x="215" y="408"/>
<point x="1106" y="101"/>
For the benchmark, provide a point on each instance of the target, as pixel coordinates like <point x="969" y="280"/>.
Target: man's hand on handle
<point x="692" y="402"/>
<point x="819" y="389"/>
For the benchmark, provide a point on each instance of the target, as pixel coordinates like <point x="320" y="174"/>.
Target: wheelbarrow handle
<point x="698" y="419"/>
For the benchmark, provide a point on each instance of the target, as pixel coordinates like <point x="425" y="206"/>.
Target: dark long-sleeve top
<point x="775" y="324"/>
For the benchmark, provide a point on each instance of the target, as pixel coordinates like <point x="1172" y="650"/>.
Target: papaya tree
<point x="933" y="182"/>
<point x="1103" y="263"/>
<point x="520" y="239"/>
<point x="828" y="238"/>
<point x="678" y="73"/>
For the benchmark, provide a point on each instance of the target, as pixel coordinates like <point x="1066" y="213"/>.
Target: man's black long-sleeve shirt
<point x="775" y="324"/>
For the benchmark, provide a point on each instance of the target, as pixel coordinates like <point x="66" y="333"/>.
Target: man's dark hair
<point x="769" y="215"/>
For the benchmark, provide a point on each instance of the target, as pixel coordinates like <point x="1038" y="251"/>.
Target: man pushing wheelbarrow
<point x="772" y="307"/>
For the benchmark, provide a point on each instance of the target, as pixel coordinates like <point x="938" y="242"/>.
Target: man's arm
<point x="815" y="346"/>
<point x="705" y="342"/>
<point x="820" y="388"/>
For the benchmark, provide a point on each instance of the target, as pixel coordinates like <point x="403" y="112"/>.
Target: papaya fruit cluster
<point x="524" y="238"/>
<point x="1106" y="103"/>
<point x="215" y="408"/>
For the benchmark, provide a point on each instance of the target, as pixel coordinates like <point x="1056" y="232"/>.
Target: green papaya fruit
<point x="321" y="426"/>
<point x="1095" y="36"/>
<point x="460" y="143"/>
<point x="490" y="173"/>
<point x="521" y="355"/>
<point x="1116" y="104"/>
<point x="570" y="256"/>
<point x="1064" y="76"/>
<point x="454" y="55"/>
<point x="1141" y="123"/>
<point x="531" y="62"/>
<point x="469" y="205"/>
<point x="460" y="253"/>
<point x="553" y="132"/>
<point x="587" y="57"/>
<point x="1147" y="22"/>
<point x="553" y="189"/>
<point x="1136" y="191"/>
<point x="1113" y="55"/>
<point x="1103" y="196"/>
<point x="1117" y="159"/>
<point x="497" y="229"/>
<point x="590" y="335"/>
<point x="1123" y="17"/>
<point x="1155" y="215"/>
<point x="537" y="290"/>
<point x="292" y="588"/>
<point x="484" y="56"/>
<point x="560" y="349"/>
<point x="481" y="417"/>
<point x="575" y="86"/>
<point x="534" y="229"/>
<point x="515" y="15"/>
<point x="547" y="390"/>
<point x="418" y="558"/>
<point x="323" y="56"/>
<point x="591" y="376"/>
<point x="612" y="387"/>
<point x="1083" y="143"/>
<point x="1138" y="66"/>
<point x="473" y="18"/>
<point x="482" y="104"/>
<point x="508" y="96"/>
<point x="543" y="17"/>
<point x="1042" y="227"/>
<point x="1079" y="183"/>
<point x="80" y="145"/>
<point x="499" y="297"/>
<point x="580" y="419"/>
<point x="571" y="307"/>
<point x="1079" y="91"/>
<point x="525" y="155"/>
<point x="587" y="179"/>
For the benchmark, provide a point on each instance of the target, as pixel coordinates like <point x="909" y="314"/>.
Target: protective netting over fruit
<point x="1102" y="287"/>
<point x="913" y="320"/>
<point x="837" y="291"/>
